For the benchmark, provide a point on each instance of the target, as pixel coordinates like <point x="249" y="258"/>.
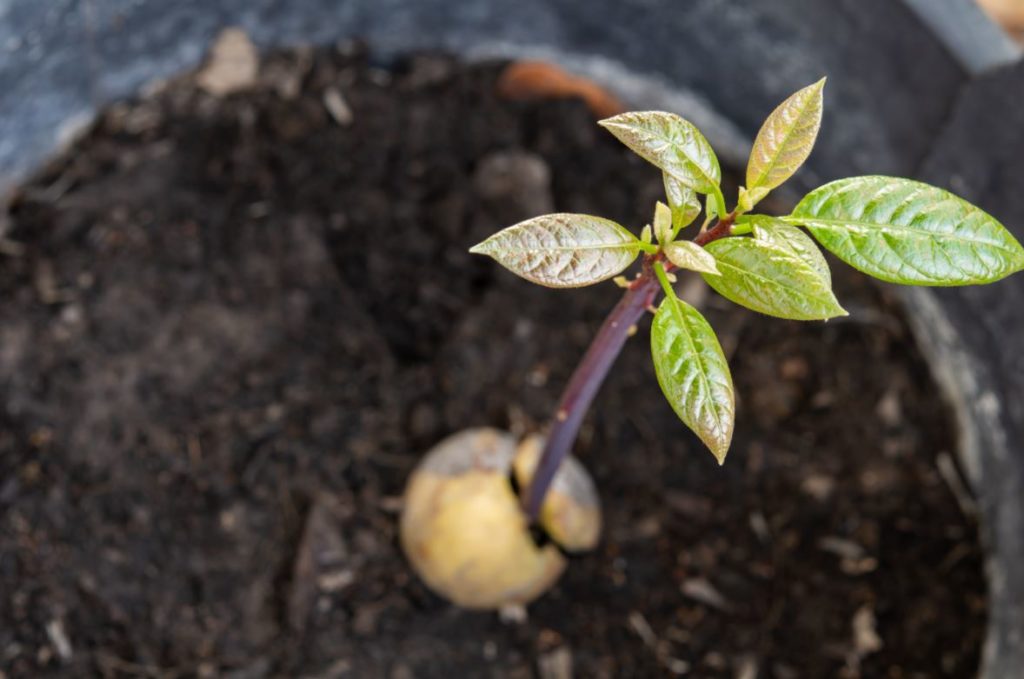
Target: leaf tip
<point x="618" y="128"/>
<point x="719" y="449"/>
<point x="837" y="309"/>
<point x="479" y="249"/>
<point x="840" y="312"/>
<point x="719" y="442"/>
<point x="1017" y="255"/>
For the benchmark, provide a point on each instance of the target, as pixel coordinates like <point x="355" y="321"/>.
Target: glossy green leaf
<point x="671" y="143"/>
<point x="693" y="373"/>
<point x="683" y="202"/>
<point x="770" y="275"/>
<point x="686" y="254"/>
<point x="786" y="138"/>
<point x="904" y="231"/>
<point x="793" y="239"/>
<point x="663" y="223"/>
<point x="563" y="250"/>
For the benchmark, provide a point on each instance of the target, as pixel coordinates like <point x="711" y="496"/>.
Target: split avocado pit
<point x="464" y="530"/>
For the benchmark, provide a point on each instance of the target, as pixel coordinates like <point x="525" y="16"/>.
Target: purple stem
<point x="585" y="382"/>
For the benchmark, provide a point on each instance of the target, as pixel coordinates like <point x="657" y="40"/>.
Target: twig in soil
<point x="336" y="105"/>
<point x="865" y="636"/>
<point x="59" y="638"/>
<point x="702" y="591"/>
<point x="638" y="623"/>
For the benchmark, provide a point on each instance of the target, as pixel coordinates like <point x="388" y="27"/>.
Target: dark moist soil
<point x="230" y="327"/>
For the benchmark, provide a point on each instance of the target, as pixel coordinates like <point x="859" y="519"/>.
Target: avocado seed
<point x="463" y="527"/>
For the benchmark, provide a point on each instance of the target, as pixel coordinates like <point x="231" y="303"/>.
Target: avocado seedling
<point x="894" y="229"/>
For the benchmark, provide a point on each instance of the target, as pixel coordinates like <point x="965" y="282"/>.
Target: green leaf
<point x="786" y="138"/>
<point x="563" y="250"/>
<point x="683" y="201"/>
<point x="688" y="255"/>
<point x="672" y="144"/>
<point x="771" y="275"/>
<point x="693" y="373"/>
<point x="792" y="238"/>
<point x="903" y="231"/>
<point x="663" y="223"/>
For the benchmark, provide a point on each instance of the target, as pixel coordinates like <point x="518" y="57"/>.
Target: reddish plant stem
<point x="720" y="230"/>
<point x="585" y="382"/>
<point x="592" y="370"/>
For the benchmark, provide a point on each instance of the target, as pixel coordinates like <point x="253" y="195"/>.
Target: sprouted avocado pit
<point x="465" y="533"/>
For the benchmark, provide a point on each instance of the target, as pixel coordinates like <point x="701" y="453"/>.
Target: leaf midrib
<point x="577" y="248"/>
<point x="893" y="229"/>
<point x="706" y="382"/>
<point x="669" y="141"/>
<point x="775" y="158"/>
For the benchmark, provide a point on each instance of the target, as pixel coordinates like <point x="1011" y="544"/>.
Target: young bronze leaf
<point x="682" y="200"/>
<point x="688" y="255"/>
<point x="563" y="250"/>
<point x="672" y="144"/>
<point x="663" y="223"/>
<point x="903" y="231"/>
<point x="771" y="276"/>
<point x="786" y="138"/>
<point x="693" y="373"/>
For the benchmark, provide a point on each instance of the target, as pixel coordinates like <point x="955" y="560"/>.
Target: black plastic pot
<point x="924" y="88"/>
